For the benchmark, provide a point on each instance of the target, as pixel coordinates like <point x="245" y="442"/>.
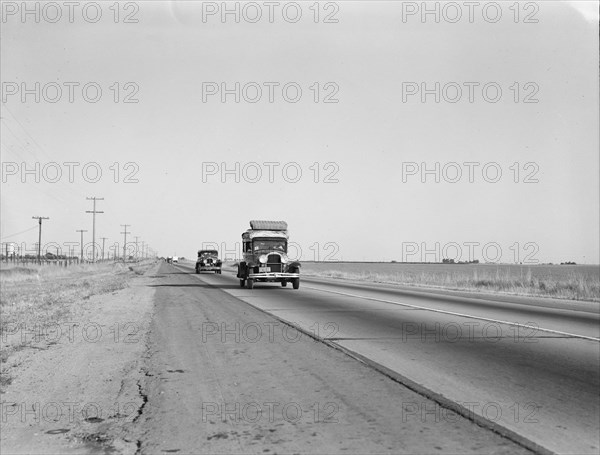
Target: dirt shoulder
<point x="72" y="373"/>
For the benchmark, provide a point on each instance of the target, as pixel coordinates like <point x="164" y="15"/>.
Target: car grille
<point x="274" y="262"/>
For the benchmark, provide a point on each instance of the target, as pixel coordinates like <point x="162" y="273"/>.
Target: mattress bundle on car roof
<point x="265" y="225"/>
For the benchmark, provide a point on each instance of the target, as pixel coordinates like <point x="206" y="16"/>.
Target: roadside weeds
<point x="72" y="345"/>
<point x="571" y="287"/>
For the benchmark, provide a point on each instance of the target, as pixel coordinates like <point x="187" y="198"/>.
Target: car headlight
<point x="284" y="258"/>
<point x="263" y="259"/>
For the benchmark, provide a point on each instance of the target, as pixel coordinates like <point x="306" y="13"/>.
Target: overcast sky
<point x="366" y="197"/>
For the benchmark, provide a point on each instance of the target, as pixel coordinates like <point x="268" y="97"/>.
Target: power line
<point x="22" y="232"/>
<point x="28" y="147"/>
<point x="26" y="132"/>
<point x="93" y="212"/>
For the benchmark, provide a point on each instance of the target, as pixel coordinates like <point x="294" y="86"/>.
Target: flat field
<point x="574" y="282"/>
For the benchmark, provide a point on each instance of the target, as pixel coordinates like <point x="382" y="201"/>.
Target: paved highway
<point x="524" y="372"/>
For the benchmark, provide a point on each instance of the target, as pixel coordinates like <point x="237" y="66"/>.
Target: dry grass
<point x="40" y="296"/>
<point x="43" y="294"/>
<point x="572" y="286"/>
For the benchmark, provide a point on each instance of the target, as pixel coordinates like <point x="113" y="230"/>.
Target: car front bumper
<point x="208" y="268"/>
<point x="272" y="275"/>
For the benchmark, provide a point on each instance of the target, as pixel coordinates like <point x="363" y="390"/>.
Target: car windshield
<point x="269" y="245"/>
<point x="208" y="252"/>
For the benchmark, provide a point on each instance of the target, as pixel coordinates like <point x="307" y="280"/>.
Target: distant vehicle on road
<point x="208" y="261"/>
<point x="264" y="248"/>
<point x="175" y="259"/>
<point x="169" y="259"/>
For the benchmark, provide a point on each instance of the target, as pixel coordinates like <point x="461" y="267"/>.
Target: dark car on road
<point x="208" y="261"/>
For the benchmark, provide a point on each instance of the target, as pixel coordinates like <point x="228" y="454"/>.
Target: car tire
<point x="242" y="283"/>
<point x="250" y="284"/>
<point x="296" y="283"/>
<point x="283" y="284"/>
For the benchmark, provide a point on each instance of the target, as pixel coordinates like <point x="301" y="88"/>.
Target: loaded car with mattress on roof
<point x="264" y="250"/>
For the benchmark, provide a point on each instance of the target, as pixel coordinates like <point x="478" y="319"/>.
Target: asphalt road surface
<point x="231" y="370"/>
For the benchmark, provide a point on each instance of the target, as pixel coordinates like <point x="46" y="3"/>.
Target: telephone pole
<point x="40" y="218"/>
<point x="125" y="240"/>
<point x="103" y="239"/>
<point x="136" y="246"/>
<point x="114" y="248"/>
<point x="94" y="211"/>
<point x="82" y="231"/>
